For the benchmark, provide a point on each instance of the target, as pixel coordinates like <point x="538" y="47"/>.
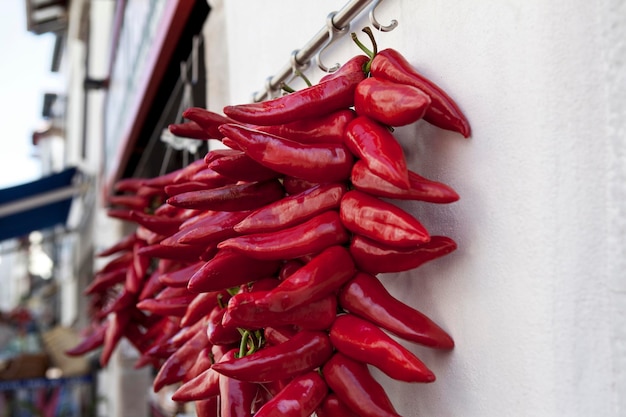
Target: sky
<point x="24" y="78"/>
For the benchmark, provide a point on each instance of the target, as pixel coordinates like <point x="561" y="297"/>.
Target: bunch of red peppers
<point x="251" y="280"/>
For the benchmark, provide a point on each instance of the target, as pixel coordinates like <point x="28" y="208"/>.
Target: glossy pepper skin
<point x="381" y="221"/>
<point x="315" y="101"/>
<point x="332" y="406"/>
<point x="379" y="149"/>
<point x="317" y="162"/>
<point x="228" y="269"/>
<point x="324" y="274"/>
<point x="363" y="341"/>
<point x="191" y="130"/>
<point x="243" y="312"/>
<point x="293" y="209"/>
<point x="365" y="296"/>
<point x="390" y="103"/>
<point x="420" y="188"/>
<point x="355" y="64"/>
<point x="443" y="111"/>
<point x="374" y="257"/>
<point x="303" y="239"/>
<point x="305" y="351"/>
<point x="299" y="398"/>
<point x="353" y="384"/>
<point x="202" y="386"/>
<point x="241" y="167"/>
<point x="90" y="342"/>
<point x="325" y="129"/>
<point x="208" y="120"/>
<point x="213" y="226"/>
<point x="236" y="396"/>
<point x="233" y="197"/>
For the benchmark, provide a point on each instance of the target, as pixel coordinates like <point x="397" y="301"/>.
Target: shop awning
<point x="37" y="205"/>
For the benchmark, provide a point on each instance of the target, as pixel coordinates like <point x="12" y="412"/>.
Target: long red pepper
<point x="202" y="305"/>
<point x="353" y="384"/>
<point x="106" y="280"/>
<point x="324" y="274"/>
<point x="180" y="277"/>
<point x="183" y="253"/>
<point x="305" y="351"/>
<point x="379" y="149"/>
<point x="216" y="226"/>
<point x="299" y="398"/>
<point x="208" y="120"/>
<point x="236" y="396"/>
<point x="159" y="224"/>
<point x="443" y="111"/>
<point x="234" y="197"/>
<point x="390" y="103"/>
<point x="365" y="296"/>
<point x="190" y="129"/>
<point x="306" y="238"/>
<point x="93" y="340"/>
<point x="363" y="341"/>
<point x="317" y="100"/>
<point x="318" y="162"/>
<point x="114" y="332"/>
<point x="326" y="129"/>
<point x="126" y="243"/>
<point x="332" y="406"/>
<point x="202" y="386"/>
<point x="216" y="332"/>
<point x="208" y="408"/>
<point x="373" y="257"/>
<point x="243" y="312"/>
<point x="379" y="220"/>
<point x="293" y="209"/>
<point x="420" y="188"/>
<point x="355" y="64"/>
<point x="241" y="167"/>
<point x="229" y="268"/>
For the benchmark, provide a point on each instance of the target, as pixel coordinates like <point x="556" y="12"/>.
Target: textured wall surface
<point x="535" y="296"/>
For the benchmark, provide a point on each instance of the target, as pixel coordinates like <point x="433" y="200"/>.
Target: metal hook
<point x="297" y="67"/>
<point x="271" y="91"/>
<point x="333" y="31"/>
<point x="388" y="28"/>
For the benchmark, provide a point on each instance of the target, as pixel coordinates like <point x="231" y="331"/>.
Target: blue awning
<point x="37" y="205"/>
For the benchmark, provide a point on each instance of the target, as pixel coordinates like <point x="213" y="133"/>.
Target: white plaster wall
<point x="535" y="296"/>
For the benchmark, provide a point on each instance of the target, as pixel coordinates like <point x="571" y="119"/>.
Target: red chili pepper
<point x="277" y="335"/>
<point x="234" y="197"/>
<point x="236" y="396"/>
<point x="175" y="306"/>
<point x="379" y="149"/>
<point x="119" y="261"/>
<point x="180" y="277"/>
<point x="159" y="224"/>
<point x="390" y="103"/>
<point x="324" y="274"/>
<point x="355" y="64"/>
<point x="208" y="120"/>
<point x="202" y="305"/>
<point x="114" y="332"/>
<point x="129" y="184"/>
<point x="332" y="406"/>
<point x="315" y="101"/>
<point x="288" y="268"/>
<point x="295" y="185"/>
<point x="443" y="111"/>
<point x="92" y="341"/>
<point x="312" y="236"/>
<point x="203" y="362"/>
<point x="134" y="202"/>
<point x="291" y="210"/>
<point x="184" y="187"/>
<point x="363" y="341"/>
<point x="176" y="366"/>
<point x="121" y="246"/>
<point x="421" y="188"/>
<point x="228" y="269"/>
<point x="151" y="286"/>
<point x="191" y="130"/>
<point x="207" y="408"/>
<point x="175" y="341"/>
<point x="381" y="221"/>
<point x="353" y="384"/>
<point x="241" y="167"/>
<point x="305" y="351"/>
<point x="243" y="312"/>
<point x="317" y="162"/>
<point x="373" y="257"/>
<point x="326" y="129"/>
<point x="216" y="332"/>
<point x="102" y="281"/>
<point x="299" y="398"/>
<point x="367" y="297"/>
<point x="203" y="386"/>
<point x="211" y="227"/>
<point x="182" y="253"/>
<point x="186" y="173"/>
